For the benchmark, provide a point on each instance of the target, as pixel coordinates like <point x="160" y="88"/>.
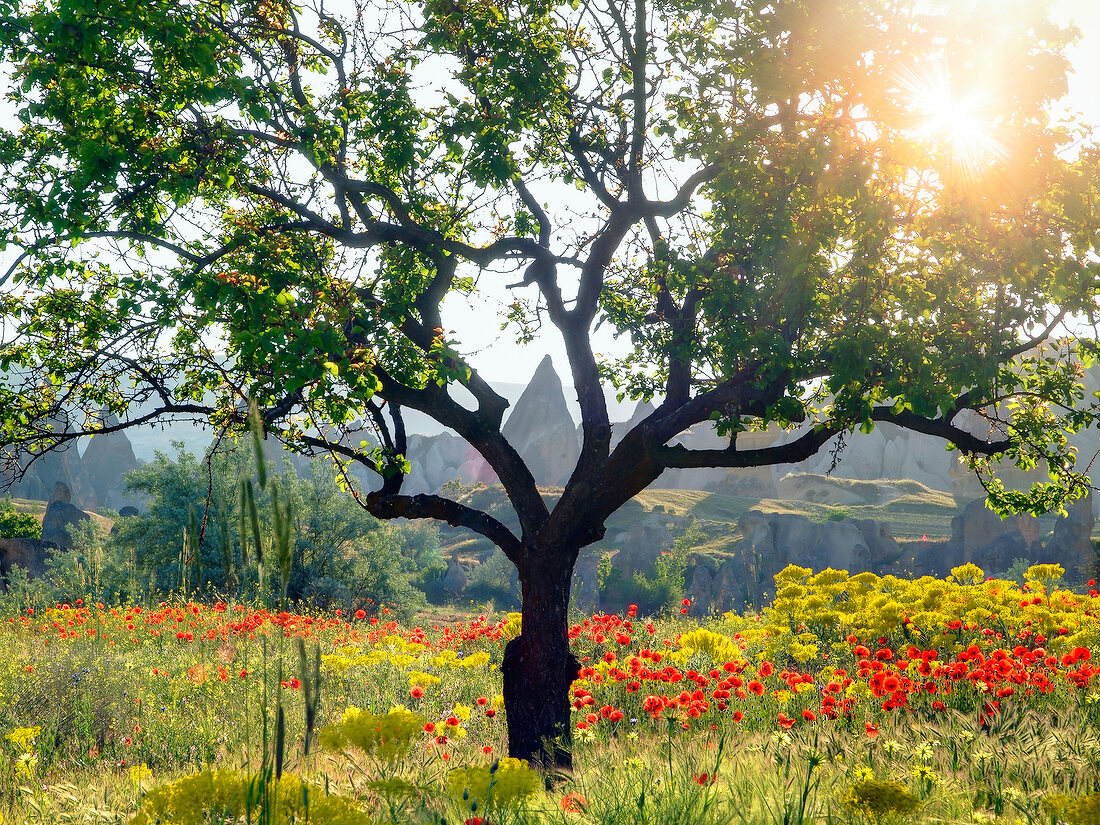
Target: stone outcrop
<point x="61" y="514"/>
<point x="539" y="427"/>
<point x="980" y="536"/>
<point x="703" y="436"/>
<point x="787" y="538"/>
<point x="455" y="579"/>
<point x="106" y="459"/>
<point x="64" y="466"/>
<point x="771" y="541"/>
<point x="437" y="459"/>
<point x="1070" y="545"/>
<point x="542" y="430"/>
<point x="28" y="553"/>
<point x="641" y="412"/>
<point x="643" y="542"/>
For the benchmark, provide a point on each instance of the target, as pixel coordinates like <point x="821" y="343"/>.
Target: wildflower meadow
<point x="850" y="699"/>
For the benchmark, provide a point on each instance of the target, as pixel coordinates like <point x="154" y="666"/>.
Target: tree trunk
<point x="538" y="667"/>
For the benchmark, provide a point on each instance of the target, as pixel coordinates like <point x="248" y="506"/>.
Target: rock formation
<point x="28" y="553"/>
<point x="980" y="536"/>
<point x="61" y="513"/>
<point x="64" y="466"/>
<point x="106" y="458"/>
<point x="454" y="580"/>
<point x="541" y="429"/>
<point x="1070" y="545"/>
<point x="643" y="542"/>
<point x="787" y="538"/>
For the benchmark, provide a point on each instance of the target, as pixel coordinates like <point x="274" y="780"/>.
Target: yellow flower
<point x="337" y="664"/>
<point x="385" y="735"/>
<point x="225" y="796"/>
<point x="478" y="659"/>
<point x="501" y="783"/>
<point x="22" y="738"/>
<point x="926" y="773"/>
<point x="1044" y="572"/>
<point x="139" y="773"/>
<point x="877" y="799"/>
<point x="25" y="764"/>
<point x="419" y="678"/>
<point x="968" y="573"/>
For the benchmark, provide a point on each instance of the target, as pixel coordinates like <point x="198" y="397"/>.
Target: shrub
<point x="880" y="800"/>
<point x="14" y="524"/>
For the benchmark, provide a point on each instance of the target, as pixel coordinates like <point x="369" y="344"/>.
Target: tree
<point x="14" y="524"/>
<point x="341" y="557"/>
<point x="821" y="214"/>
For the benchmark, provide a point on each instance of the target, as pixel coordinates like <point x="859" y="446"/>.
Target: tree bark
<point x="539" y="667"/>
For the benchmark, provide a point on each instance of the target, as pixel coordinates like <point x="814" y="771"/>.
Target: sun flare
<point x="959" y="121"/>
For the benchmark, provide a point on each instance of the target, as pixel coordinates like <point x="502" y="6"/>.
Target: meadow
<point x="849" y="699"/>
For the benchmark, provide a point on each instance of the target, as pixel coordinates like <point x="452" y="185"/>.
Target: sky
<point x="499" y="359"/>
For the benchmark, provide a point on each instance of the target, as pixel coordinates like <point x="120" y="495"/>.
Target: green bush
<point x="341" y="555"/>
<point x="14" y="524"/>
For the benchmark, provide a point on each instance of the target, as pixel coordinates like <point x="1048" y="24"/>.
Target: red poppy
<point x="573" y="803"/>
<point x="870" y="729"/>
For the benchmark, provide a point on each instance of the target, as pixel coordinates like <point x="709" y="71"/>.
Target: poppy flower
<point x="573" y="803"/>
<point x="871" y="730"/>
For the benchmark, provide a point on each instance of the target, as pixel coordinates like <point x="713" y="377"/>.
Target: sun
<point x="957" y="120"/>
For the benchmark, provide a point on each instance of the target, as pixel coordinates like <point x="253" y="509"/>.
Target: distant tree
<point x="14" y="524"/>
<point x="341" y="556"/>
<point x="822" y="213"/>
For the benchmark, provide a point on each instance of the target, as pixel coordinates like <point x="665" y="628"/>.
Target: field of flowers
<point x="849" y="699"/>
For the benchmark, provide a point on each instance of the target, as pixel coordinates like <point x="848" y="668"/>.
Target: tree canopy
<point x="826" y="213"/>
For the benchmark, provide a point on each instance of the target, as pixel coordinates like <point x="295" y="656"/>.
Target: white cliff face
<point x="542" y="430"/>
<point x="539" y="426"/>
